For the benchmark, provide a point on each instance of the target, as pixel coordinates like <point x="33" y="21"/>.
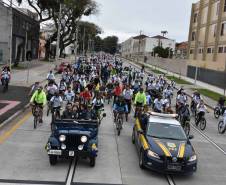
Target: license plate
<point x="173" y="167"/>
<point x="55" y="152"/>
<point x="71" y="153"/>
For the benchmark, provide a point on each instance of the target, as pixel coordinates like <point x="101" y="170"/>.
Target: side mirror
<point x="104" y="115"/>
<point x="190" y="137"/>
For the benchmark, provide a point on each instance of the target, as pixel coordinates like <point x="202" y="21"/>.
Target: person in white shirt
<point x="158" y="105"/>
<point x="56" y="103"/>
<point x="128" y="94"/>
<point x="69" y="95"/>
<point x="50" y="76"/>
<point x="201" y="110"/>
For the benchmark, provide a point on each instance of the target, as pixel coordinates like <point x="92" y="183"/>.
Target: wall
<point x="4" y="33"/>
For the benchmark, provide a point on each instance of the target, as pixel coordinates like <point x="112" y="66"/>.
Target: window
<point x="201" y="50"/>
<point x="223" y="27"/>
<point x="191" y="51"/>
<point x="195" y="17"/>
<point x="193" y="36"/>
<point x="218" y="7"/>
<point x="209" y="50"/>
<point x="214" y="30"/>
<point x="224" y="5"/>
<point x="220" y="49"/>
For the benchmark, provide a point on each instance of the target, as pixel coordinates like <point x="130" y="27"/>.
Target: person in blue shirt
<point x="120" y="106"/>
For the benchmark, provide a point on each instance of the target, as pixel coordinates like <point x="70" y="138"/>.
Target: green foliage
<point x="110" y="44"/>
<point x="162" y="52"/>
<point x="178" y="80"/>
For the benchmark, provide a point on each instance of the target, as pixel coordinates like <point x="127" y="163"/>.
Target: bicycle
<point x="37" y="112"/>
<point x="217" y="112"/>
<point x="119" y="122"/>
<point x="202" y="121"/>
<point x="5" y="85"/>
<point x="185" y="123"/>
<point x="193" y="109"/>
<point x="221" y="126"/>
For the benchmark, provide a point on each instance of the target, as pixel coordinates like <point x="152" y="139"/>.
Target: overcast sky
<point x="125" y="18"/>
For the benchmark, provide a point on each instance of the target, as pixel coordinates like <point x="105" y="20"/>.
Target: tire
<point x="133" y="137"/>
<point x="35" y="122"/>
<point x="92" y="161"/>
<point x="141" y="160"/>
<point x="52" y="160"/>
<point x="202" y="124"/>
<point x="48" y="110"/>
<point x="217" y="113"/>
<point x="187" y="129"/>
<point x="221" y="127"/>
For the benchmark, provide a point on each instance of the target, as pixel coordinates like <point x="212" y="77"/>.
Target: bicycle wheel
<point x="202" y="124"/>
<point x="35" y="122"/>
<point x="221" y="127"/>
<point x="187" y="129"/>
<point x="217" y="113"/>
<point x="48" y="109"/>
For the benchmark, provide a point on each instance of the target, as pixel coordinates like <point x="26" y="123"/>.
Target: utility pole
<point x="139" y="42"/>
<point x="84" y="36"/>
<point x="58" y="35"/>
<point x="76" y="42"/>
<point x="11" y="33"/>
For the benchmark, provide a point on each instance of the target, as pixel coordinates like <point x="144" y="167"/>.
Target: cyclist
<point x="158" y="104"/>
<point x="69" y="95"/>
<point x="140" y="100"/>
<point x="39" y="99"/>
<point x="51" y="89"/>
<point x="98" y="103"/>
<point x="181" y="100"/>
<point x="56" y="103"/>
<point x="128" y="94"/>
<point x="50" y="76"/>
<point x="34" y="88"/>
<point x="5" y="75"/>
<point x="168" y="93"/>
<point x="201" y="110"/>
<point x="120" y="106"/>
<point x="184" y="114"/>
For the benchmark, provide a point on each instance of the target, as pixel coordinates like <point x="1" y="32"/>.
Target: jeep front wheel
<point x="52" y="159"/>
<point x="92" y="161"/>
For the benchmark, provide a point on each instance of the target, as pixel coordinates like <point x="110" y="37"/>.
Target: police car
<point x="163" y="145"/>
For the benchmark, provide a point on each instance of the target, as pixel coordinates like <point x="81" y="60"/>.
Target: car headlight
<point x="152" y="154"/>
<point x="84" y="139"/>
<point x="63" y="146"/>
<point x="192" y="158"/>
<point x="62" y="138"/>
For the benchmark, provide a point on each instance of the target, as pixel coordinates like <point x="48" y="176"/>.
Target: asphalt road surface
<point x="23" y="159"/>
<point x="13" y="100"/>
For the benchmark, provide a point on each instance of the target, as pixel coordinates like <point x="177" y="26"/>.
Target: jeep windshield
<point x="166" y="131"/>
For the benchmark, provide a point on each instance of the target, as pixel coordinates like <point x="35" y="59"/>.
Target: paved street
<point x="25" y="160"/>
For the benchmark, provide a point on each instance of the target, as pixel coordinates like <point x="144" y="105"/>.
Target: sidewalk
<point x="210" y="102"/>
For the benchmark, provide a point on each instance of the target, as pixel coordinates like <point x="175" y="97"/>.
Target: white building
<point x="144" y="45"/>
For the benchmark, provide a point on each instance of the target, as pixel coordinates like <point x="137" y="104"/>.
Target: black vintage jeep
<point x="73" y="138"/>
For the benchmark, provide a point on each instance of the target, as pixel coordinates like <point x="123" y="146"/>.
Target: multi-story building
<point x="19" y="30"/>
<point x="144" y="45"/>
<point x="207" y="42"/>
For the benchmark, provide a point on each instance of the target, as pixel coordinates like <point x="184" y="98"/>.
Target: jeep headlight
<point x="62" y="138"/>
<point x="193" y="158"/>
<point x="84" y="139"/>
<point x="152" y="154"/>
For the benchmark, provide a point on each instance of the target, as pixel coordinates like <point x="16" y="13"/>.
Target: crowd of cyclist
<point x="89" y="83"/>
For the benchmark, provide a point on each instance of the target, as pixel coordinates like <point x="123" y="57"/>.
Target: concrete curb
<point x="148" y="72"/>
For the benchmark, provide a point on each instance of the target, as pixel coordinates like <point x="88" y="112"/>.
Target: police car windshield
<point x="166" y="131"/>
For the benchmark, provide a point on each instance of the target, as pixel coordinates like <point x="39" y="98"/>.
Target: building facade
<point x="181" y="50"/>
<point x="144" y="45"/>
<point x="24" y="35"/>
<point x="207" y="42"/>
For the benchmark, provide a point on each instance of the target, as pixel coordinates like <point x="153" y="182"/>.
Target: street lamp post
<point x="58" y="35"/>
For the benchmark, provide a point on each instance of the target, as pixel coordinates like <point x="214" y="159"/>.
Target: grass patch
<point x="157" y="71"/>
<point x="178" y="80"/>
<point x="213" y="95"/>
<point x="19" y="67"/>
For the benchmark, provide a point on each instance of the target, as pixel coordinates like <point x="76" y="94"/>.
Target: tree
<point x="72" y="11"/>
<point x="164" y="53"/>
<point x="110" y="44"/>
